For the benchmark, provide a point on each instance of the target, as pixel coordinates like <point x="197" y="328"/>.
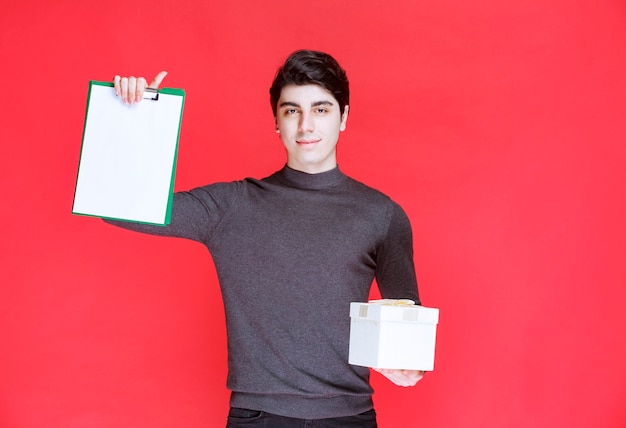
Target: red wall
<point x="499" y="126"/>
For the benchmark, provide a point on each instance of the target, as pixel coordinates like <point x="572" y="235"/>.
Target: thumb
<point x="157" y="80"/>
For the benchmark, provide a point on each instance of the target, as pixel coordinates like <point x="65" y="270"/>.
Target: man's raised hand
<point x="131" y="89"/>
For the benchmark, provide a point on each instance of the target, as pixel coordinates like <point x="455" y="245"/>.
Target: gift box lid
<point x="395" y="310"/>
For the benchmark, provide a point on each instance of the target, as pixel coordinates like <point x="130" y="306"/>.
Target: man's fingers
<point x="131" y="89"/>
<point x="156" y="82"/>
<point x="116" y="85"/>
<point x="140" y="88"/>
<point x="124" y="89"/>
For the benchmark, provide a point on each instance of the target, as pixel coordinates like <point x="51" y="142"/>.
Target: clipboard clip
<point x="151" y="94"/>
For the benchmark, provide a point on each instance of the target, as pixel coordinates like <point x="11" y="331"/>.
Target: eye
<point x="321" y="110"/>
<point x="290" y="112"/>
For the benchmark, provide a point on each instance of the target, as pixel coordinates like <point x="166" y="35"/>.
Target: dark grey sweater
<point x="291" y="252"/>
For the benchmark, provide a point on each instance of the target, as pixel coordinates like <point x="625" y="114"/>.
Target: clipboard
<point x="128" y="155"/>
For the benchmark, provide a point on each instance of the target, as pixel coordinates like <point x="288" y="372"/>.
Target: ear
<point x="344" y="118"/>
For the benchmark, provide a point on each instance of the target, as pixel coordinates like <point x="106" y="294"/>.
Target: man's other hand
<point x="402" y="377"/>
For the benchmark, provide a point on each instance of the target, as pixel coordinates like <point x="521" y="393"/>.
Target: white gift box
<point x="393" y="334"/>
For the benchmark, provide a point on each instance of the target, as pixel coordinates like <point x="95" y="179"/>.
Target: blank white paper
<point x="128" y="156"/>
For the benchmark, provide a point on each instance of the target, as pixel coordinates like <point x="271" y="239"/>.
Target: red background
<point x="499" y="126"/>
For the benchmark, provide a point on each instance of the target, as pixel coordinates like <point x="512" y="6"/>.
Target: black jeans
<point x="244" y="418"/>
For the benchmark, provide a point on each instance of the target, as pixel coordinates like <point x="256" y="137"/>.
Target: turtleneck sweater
<point x="291" y="252"/>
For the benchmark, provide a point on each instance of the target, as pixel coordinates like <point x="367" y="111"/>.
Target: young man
<point x="291" y="252"/>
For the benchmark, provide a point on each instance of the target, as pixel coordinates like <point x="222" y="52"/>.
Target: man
<point x="291" y="252"/>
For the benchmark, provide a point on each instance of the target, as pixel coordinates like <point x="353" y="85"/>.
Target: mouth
<point x="307" y="141"/>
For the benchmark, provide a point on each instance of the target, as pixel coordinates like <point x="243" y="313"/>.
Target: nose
<point x="306" y="123"/>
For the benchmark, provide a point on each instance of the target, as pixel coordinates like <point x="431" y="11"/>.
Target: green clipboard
<point x="128" y="155"/>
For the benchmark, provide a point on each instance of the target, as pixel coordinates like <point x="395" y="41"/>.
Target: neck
<point x="312" y="169"/>
<point x="304" y="180"/>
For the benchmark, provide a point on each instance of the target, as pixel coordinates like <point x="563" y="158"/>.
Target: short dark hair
<point x="306" y="67"/>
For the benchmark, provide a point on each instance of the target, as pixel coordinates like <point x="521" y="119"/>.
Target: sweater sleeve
<point x="395" y="268"/>
<point x="195" y="214"/>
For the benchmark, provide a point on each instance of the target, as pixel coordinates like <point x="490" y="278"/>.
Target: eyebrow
<point x="315" y="104"/>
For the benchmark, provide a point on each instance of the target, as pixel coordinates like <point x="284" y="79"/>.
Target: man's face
<point x="309" y="121"/>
